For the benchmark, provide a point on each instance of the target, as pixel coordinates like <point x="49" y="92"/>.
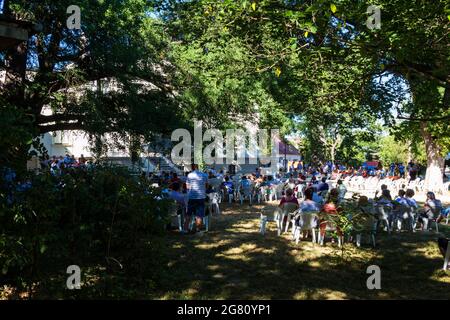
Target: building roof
<point x="287" y="149"/>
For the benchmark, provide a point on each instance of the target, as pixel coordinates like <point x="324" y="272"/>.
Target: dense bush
<point x="105" y="220"/>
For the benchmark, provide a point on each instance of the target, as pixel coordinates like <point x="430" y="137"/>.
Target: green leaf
<point x="448" y="17"/>
<point x="254" y="6"/>
<point x="277" y="71"/>
<point x="43" y="248"/>
<point x="333" y="8"/>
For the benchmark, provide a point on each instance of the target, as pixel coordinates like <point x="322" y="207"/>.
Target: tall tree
<point x="322" y="52"/>
<point x="112" y="75"/>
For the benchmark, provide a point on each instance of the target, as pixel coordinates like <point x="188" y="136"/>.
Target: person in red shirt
<point x="330" y="208"/>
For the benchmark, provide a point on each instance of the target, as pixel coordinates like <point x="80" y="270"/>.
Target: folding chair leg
<point x="372" y="236"/>
<point x="217" y="208"/>
<point x="358" y="240"/>
<point x="180" y="222"/>
<point x="297" y="235"/>
<point x="263" y="226"/>
<point x="387" y="226"/>
<point x="287" y="224"/>
<point x="282" y="221"/>
<point x="192" y="223"/>
<point x="313" y="235"/>
<point x="277" y="219"/>
<point x="206" y="222"/>
<point x="425" y="224"/>
<point x="447" y="257"/>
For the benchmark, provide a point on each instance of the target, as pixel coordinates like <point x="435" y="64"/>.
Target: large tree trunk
<point x="435" y="162"/>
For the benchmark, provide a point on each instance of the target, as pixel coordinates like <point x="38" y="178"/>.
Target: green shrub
<point x="104" y="220"/>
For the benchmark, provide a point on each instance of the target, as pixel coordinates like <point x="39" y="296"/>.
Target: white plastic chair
<point x="287" y="210"/>
<point x="385" y="215"/>
<point x="263" y="220"/>
<point x="447" y="257"/>
<point x="405" y="214"/>
<point x="370" y="226"/>
<point x="307" y="221"/>
<point x="299" y="191"/>
<point x="426" y="221"/>
<point x="246" y="194"/>
<point x="214" y="202"/>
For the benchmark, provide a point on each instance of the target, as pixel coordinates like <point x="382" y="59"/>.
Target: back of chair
<point x="214" y="197"/>
<point x="308" y="220"/>
<point x="289" y="207"/>
<point x="266" y="211"/>
<point x="405" y="211"/>
<point x="173" y="208"/>
<point x="215" y="183"/>
<point x="384" y="211"/>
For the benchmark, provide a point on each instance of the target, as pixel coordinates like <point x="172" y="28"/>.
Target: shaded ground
<point x="233" y="261"/>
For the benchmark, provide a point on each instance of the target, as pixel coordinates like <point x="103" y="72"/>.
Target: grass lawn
<point x="233" y="261"/>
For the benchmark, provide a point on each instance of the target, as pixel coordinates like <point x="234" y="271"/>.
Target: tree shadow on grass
<point x="234" y="261"/>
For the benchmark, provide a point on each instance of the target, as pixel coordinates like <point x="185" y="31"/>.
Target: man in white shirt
<point x="196" y="185"/>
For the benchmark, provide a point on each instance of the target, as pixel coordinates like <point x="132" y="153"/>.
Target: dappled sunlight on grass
<point x="234" y="261"/>
<point x="323" y="294"/>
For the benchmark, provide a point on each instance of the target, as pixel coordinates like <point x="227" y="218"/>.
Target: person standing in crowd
<point x="413" y="171"/>
<point x="82" y="160"/>
<point x="196" y="184"/>
<point x="401" y="170"/>
<point x="342" y="190"/>
<point x="392" y="170"/>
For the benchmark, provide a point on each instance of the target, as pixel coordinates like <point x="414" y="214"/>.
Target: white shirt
<point x="196" y="181"/>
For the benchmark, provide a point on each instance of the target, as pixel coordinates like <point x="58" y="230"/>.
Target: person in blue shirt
<point x="392" y="170"/>
<point x="228" y="186"/>
<point x="245" y="184"/>
<point x="196" y="184"/>
<point x="323" y="185"/>
<point x="443" y="215"/>
<point x="401" y="170"/>
<point x="67" y="159"/>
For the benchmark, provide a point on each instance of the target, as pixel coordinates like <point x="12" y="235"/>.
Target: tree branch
<point x="61" y="127"/>
<point x="43" y="119"/>
<point x="424" y="119"/>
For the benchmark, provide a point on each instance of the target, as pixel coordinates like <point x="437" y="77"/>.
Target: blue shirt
<point x="308" y="206"/>
<point x="229" y="186"/>
<point x="323" y="186"/>
<point x="245" y="184"/>
<point x="178" y="197"/>
<point x="197" y="185"/>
